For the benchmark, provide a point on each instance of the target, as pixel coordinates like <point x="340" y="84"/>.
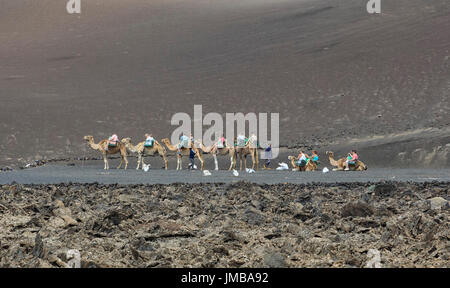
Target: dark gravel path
<point x="51" y="174"/>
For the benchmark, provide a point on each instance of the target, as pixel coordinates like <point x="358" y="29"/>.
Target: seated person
<point x="302" y="159"/>
<point x="351" y="159"/>
<point x="149" y="140"/>
<point x="315" y="157"/>
<point x="112" y="141"/>
<point x="253" y="140"/>
<point x="241" y="140"/>
<point x="221" y="143"/>
<point x="184" y="143"/>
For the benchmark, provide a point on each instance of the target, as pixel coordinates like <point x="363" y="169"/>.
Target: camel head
<point x="198" y="143"/>
<point x="88" y="138"/>
<point x="290" y="158"/>
<point x="126" y="140"/>
<point x="363" y="165"/>
<point x="169" y="145"/>
<point x="330" y="154"/>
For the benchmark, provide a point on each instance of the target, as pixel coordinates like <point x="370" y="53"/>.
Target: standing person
<point x="191" y="158"/>
<point x="351" y="159"/>
<point x="268" y="155"/>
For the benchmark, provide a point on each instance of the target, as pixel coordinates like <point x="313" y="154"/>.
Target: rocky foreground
<point x="226" y="225"/>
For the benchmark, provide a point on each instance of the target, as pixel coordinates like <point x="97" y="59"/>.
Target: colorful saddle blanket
<point x="184" y="142"/>
<point x="149" y="142"/>
<point x="241" y="141"/>
<point x="113" y="140"/>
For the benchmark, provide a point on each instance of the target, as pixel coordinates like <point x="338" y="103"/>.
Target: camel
<point x="184" y="152"/>
<point x="141" y="150"/>
<point x="340" y="163"/>
<point x="310" y="166"/>
<point x="214" y="151"/>
<point x="102" y="146"/>
<point x="249" y="149"/>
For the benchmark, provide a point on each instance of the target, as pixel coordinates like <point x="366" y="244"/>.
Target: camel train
<point x="241" y="147"/>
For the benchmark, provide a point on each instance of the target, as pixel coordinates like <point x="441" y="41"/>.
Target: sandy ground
<point x="331" y="70"/>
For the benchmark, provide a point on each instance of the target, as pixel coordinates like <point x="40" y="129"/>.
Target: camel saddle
<point x="113" y="140"/>
<point x="149" y="143"/>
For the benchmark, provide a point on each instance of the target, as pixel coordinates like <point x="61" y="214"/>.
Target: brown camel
<point x="340" y="163"/>
<point x="184" y="152"/>
<point x="102" y="146"/>
<point x="214" y="151"/>
<point x="142" y="151"/>
<point x="249" y="149"/>
<point x="310" y="166"/>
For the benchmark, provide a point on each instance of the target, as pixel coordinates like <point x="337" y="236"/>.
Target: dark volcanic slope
<point x="328" y="67"/>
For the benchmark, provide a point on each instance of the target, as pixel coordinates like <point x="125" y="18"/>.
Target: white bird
<point x="282" y="166"/>
<point x="249" y="170"/>
<point x="325" y="170"/>
<point x="206" y="173"/>
<point x="235" y="173"/>
<point x="146" y="167"/>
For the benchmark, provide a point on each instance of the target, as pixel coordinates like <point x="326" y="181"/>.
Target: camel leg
<point x="126" y="162"/>
<point x="165" y="161"/>
<point x="139" y="162"/>
<point x="143" y="162"/>
<point x="216" y="164"/>
<point x="231" y="162"/>
<point x="121" y="161"/>
<point x="234" y="160"/>
<point x="201" y="160"/>
<point x="179" y="167"/>
<point x="253" y="161"/>
<point x="106" y="162"/>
